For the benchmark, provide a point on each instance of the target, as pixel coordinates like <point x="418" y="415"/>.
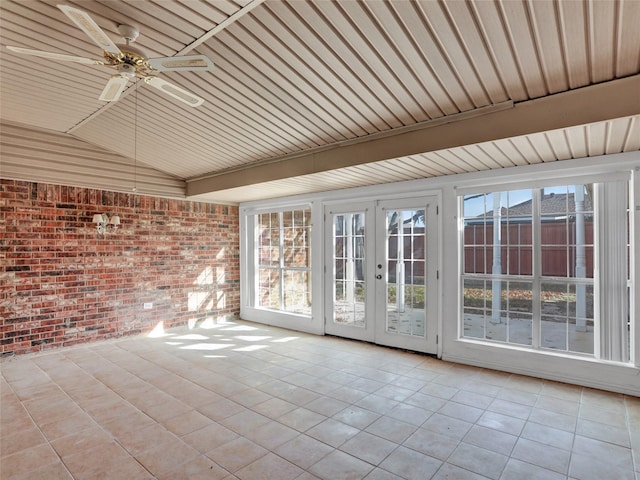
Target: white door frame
<point x="367" y="331"/>
<point x="428" y="342"/>
<point x="374" y="330"/>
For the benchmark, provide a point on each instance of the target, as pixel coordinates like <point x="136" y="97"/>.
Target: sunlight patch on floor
<point x="158" y="331"/>
<point x="207" y="346"/>
<point x="192" y="336"/>
<point x="250" y="348"/>
<point x="241" y="328"/>
<point x="251" y="338"/>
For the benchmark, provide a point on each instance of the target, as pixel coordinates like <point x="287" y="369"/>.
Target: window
<point x="284" y="261"/>
<point x="529" y="275"/>
<point x="349" y="270"/>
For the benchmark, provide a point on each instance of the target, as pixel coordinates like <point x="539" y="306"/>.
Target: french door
<point x="381" y="272"/>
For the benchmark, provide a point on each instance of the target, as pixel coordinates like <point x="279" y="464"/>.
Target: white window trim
<point x="610" y="266"/>
<point x="281" y="267"/>
<point x="249" y="267"/>
<point x="620" y="377"/>
<point x="555" y="181"/>
<point x="634" y="258"/>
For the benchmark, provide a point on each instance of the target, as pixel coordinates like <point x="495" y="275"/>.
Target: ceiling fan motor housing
<point x="130" y="59"/>
<point x="128" y="32"/>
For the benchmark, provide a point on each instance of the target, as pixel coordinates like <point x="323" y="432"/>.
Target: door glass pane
<point x="406" y="263"/>
<point x="349" y="263"/>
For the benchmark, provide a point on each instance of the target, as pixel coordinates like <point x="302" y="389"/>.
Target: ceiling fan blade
<point x="175" y="91"/>
<point x="55" y="56"/>
<point x="91" y="28"/>
<point x="194" y="63"/>
<point x="114" y="88"/>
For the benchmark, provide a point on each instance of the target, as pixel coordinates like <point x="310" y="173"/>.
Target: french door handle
<point x="378" y="276"/>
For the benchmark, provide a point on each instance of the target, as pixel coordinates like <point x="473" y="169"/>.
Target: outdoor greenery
<point x="553" y="298"/>
<point x="413" y="295"/>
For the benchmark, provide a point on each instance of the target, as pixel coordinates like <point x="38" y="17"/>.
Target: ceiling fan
<point x="129" y="61"/>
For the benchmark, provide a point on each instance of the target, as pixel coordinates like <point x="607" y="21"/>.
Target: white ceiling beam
<point x="595" y="103"/>
<point x="221" y="26"/>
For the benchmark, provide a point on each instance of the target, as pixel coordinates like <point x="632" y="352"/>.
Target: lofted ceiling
<point x="308" y="96"/>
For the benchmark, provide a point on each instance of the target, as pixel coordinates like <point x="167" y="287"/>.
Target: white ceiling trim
<point x="596" y="103"/>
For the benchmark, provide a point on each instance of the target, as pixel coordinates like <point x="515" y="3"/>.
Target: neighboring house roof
<point x="551" y="203"/>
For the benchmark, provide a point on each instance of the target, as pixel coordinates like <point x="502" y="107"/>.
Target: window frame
<point x="281" y="267"/>
<point x="536" y="277"/>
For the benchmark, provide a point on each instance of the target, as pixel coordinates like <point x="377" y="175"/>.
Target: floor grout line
<point x="305" y="371"/>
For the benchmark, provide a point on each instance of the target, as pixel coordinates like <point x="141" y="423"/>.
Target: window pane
<point x="263" y="255"/>
<point x="359" y="269"/>
<point x="474" y="322"/>
<point x="555" y="200"/>
<point x="297" y="292"/>
<point x="567" y="317"/>
<point x="519" y="203"/>
<point x="554" y="260"/>
<point x="520" y="260"/>
<point x="554" y="332"/>
<point x="476" y="298"/>
<point x="497" y="325"/>
<point x="269" y="288"/>
<point x="474" y="260"/>
<point x="303" y="257"/>
<point x="284" y="241"/>
<point x="581" y="336"/>
<point x="567" y="231"/>
<point x="474" y="205"/>
<point x="341" y="268"/>
<point x="499" y="306"/>
<point x="340" y="250"/>
<point x="520" y="329"/>
<point x="414" y="296"/>
<point x="476" y="294"/>
<point x="349" y="296"/>
<point x="474" y="232"/>
<point x="520" y="297"/>
<point x="296" y="251"/>
<point x="501" y="218"/>
<point x="338" y="225"/>
<point x="517" y="251"/>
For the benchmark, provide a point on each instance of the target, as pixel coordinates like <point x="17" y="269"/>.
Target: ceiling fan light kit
<point x="129" y="61"/>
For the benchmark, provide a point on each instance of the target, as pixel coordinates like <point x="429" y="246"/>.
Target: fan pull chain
<point x="135" y="142"/>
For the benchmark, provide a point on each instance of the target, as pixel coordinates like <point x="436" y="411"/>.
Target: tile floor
<point x="244" y="401"/>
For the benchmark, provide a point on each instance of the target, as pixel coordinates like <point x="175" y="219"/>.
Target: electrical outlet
<point x="147" y="306"/>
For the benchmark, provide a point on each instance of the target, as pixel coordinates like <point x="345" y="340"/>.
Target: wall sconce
<point x="103" y="221"/>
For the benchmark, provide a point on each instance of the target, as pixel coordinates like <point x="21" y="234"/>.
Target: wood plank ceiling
<point x="296" y="81"/>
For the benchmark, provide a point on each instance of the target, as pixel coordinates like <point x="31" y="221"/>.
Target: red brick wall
<point x="61" y="283"/>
